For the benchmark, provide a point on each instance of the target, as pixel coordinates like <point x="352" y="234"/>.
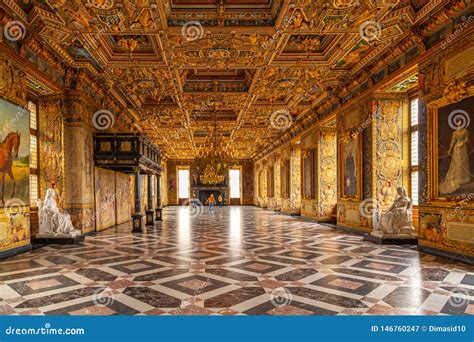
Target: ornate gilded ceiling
<point x="260" y="69"/>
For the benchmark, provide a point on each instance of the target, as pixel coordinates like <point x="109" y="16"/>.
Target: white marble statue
<point x="51" y="220"/>
<point x="399" y="218"/>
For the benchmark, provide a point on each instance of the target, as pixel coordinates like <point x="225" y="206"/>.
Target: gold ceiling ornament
<point x="306" y="54"/>
<point x="128" y="44"/>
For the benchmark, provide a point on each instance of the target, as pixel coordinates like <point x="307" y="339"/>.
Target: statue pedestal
<point x="60" y="239"/>
<point x="137" y="223"/>
<point x="149" y="217"/>
<point x="158" y="212"/>
<point x="391" y="239"/>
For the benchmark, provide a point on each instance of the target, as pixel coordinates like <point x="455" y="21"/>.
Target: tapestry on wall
<point x="124" y="212"/>
<point x="104" y="198"/>
<point x="15" y="173"/>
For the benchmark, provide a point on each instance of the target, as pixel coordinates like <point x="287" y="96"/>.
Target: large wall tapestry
<point x="104" y="198"/>
<point x="15" y="173"/>
<point x="124" y="210"/>
<point x="455" y="149"/>
<point x="80" y="175"/>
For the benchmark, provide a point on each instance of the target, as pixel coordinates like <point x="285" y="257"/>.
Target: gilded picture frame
<point x="434" y="176"/>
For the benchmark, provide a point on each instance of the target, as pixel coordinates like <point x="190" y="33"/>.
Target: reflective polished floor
<point x="235" y="261"/>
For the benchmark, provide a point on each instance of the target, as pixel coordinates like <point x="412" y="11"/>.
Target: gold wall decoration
<point x="328" y="173"/>
<point x="12" y="82"/>
<point x="390" y="150"/>
<point x="51" y="143"/>
<point x="446" y="134"/>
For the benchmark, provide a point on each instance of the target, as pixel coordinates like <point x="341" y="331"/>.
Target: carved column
<point x="137" y="215"/>
<point x="150" y="212"/>
<point x="158" y="209"/>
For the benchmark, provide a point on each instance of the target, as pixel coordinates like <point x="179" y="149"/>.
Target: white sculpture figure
<point x="399" y="218"/>
<point x="51" y="220"/>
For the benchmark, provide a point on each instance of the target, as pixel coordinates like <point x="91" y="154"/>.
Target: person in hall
<point x="219" y="200"/>
<point x="211" y="201"/>
<point x="194" y="200"/>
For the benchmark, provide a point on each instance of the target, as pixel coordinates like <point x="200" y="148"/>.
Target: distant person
<point x="194" y="200"/>
<point x="211" y="201"/>
<point x="219" y="200"/>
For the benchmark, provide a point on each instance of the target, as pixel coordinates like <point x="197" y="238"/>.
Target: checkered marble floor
<point x="236" y="261"/>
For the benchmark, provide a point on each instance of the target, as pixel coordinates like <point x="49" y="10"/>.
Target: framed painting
<point x="351" y="163"/>
<point x="15" y="181"/>
<point x="453" y="149"/>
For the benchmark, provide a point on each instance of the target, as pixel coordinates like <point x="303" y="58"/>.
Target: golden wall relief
<point x="14" y="163"/>
<point x="328" y="174"/>
<point x="277" y="199"/>
<point x="295" y="174"/>
<point x="12" y="82"/>
<point x="51" y="130"/>
<point x="391" y="151"/>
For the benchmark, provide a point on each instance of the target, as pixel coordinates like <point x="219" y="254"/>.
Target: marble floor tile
<point x="237" y="261"/>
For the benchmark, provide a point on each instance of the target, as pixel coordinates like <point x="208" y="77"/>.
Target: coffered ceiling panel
<point x="252" y="71"/>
